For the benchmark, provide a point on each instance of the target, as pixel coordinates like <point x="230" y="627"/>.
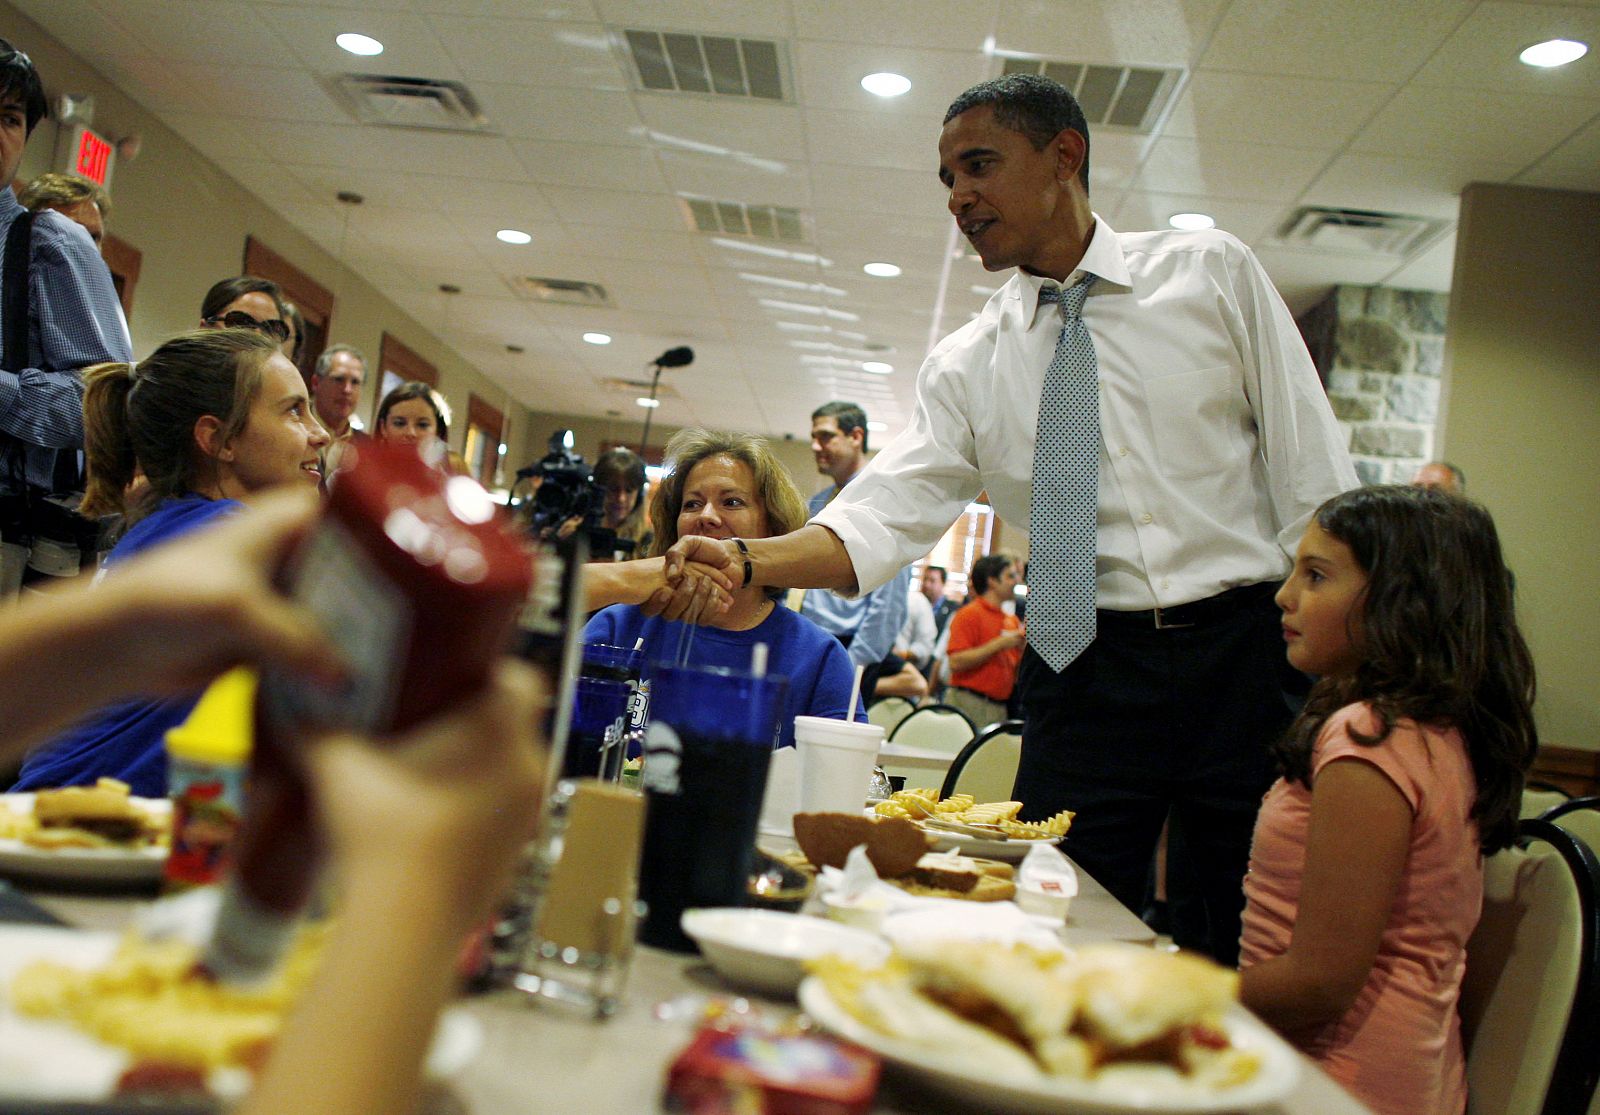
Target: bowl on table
<point x="767" y="950"/>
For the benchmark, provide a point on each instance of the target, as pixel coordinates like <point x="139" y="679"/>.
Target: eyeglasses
<point x="276" y="328"/>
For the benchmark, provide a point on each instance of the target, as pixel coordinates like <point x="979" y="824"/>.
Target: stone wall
<point x="1383" y="379"/>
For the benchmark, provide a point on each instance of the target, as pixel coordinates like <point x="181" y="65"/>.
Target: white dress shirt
<point x="917" y="637"/>
<point x="1217" y="438"/>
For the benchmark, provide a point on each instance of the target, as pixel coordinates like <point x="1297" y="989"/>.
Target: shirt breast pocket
<point x="1199" y="421"/>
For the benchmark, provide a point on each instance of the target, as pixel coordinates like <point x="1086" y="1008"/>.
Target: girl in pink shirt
<point x="1366" y="875"/>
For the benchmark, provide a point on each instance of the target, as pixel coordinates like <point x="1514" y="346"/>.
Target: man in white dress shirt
<point x="1217" y="443"/>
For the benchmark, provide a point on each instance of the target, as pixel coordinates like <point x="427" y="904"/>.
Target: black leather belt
<point x="1197" y="613"/>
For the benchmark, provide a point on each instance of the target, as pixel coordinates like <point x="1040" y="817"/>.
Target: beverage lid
<point x="220" y="729"/>
<point x="839" y="733"/>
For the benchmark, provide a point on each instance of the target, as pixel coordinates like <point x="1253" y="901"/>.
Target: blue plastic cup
<point x="705" y="769"/>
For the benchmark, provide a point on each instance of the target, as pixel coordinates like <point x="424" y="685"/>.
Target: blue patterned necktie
<point x="1066" y="485"/>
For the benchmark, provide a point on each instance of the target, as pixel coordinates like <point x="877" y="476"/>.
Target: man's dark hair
<point x="1035" y="106"/>
<point x="986" y="568"/>
<point x="19" y="79"/>
<point x="225" y="293"/>
<point x="944" y="574"/>
<point x="849" y="417"/>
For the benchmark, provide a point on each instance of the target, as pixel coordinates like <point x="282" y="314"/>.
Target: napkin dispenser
<point x="583" y="916"/>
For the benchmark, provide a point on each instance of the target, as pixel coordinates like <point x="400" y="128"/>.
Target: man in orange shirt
<point x="986" y="644"/>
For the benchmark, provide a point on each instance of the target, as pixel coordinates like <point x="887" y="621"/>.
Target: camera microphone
<point x="675" y="357"/>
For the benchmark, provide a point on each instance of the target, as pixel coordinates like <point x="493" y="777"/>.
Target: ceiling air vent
<point x="409" y="102"/>
<point x="1357" y="231"/>
<point x="566" y="292"/>
<point x="680" y="62"/>
<point x="734" y="218"/>
<point x="1124" y="98"/>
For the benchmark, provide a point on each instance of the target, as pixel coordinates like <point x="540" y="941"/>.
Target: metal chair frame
<point x="953" y="775"/>
<point x="898" y="728"/>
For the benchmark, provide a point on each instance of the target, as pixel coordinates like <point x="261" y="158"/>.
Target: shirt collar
<point x="1102" y="258"/>
<point x="10" y="206"/>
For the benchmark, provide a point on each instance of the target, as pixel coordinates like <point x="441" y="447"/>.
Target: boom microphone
<point x="675" y="357"/>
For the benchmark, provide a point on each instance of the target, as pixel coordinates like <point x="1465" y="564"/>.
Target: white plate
<point x="47" y="1060"/>
<point x="974" y="1081"/>
<point x="767" y="949"/>
<point x="1009" y="851"/>
<point x="81" y="865"/>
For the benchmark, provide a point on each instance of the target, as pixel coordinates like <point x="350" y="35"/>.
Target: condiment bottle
<point x="416" y="580"/>
<point x="206" y="757"/>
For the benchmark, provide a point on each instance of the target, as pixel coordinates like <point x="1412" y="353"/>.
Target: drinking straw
<point x="758" y="661"/>
<point x="638" y="644"/>
<point x="855" y="693"/>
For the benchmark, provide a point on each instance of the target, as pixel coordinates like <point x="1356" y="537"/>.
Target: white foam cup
<point x="836" y="761"/>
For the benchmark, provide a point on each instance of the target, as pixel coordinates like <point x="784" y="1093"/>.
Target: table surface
<point x="541" y="1056"/>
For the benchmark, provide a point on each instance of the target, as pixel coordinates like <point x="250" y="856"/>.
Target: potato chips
<point x="917" y="804"/>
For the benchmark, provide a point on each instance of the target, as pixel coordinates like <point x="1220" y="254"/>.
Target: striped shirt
<point x="74" y="321"/>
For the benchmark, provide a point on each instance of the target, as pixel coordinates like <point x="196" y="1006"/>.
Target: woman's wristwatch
<point x="744" y="551"/>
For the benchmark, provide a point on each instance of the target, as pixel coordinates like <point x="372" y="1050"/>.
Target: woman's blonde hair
<point x="142" y="417"/>
<point x="779" y="498"/>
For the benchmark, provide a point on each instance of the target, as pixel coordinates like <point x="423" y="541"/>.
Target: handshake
<point x="694" y="581"/>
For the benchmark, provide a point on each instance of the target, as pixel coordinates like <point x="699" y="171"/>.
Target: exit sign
<point x="85" y="152"/>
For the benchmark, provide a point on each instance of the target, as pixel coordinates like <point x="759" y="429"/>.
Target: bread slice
<point x="894" y="844"/>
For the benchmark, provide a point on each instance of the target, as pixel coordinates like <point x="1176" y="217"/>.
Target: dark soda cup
<point x="600" y="709"/>
<point x="705" y="768"/>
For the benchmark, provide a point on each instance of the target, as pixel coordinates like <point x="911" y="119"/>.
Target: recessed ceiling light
<point x="877" y="367"/>
<point x="513" y="236"/>
<point x="648" y="404"/>
<point x="877" y="427"/>
<point x="886" y="84"/>
<point x="364" y="45"/>
<point x="1554" y="52"/>
<point x="1190" y="222"/>
<point x="598" y="338"/>
<point x="882" y="270"/>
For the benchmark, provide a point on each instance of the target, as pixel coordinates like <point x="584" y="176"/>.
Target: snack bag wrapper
<point x="1046" y="882"/>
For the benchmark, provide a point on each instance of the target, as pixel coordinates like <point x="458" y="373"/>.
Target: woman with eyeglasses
<point x="212" y="419"/>
<point x="246" y="302"/>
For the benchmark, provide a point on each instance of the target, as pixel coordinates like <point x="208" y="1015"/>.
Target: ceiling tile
<point x="615" y="209"/>
<point x="207" y="31"/>
<point x="259" y="93"/>
<point x="1482" y="54"/>
<point x="868" y="190"/>
<point x="532" y="52"/>
<point x="577" y="164"/>
<point x="1429" y="121"/>
<point x="721" y="180"/>
<point x="867" y="139"/>
<point x="1362" y="40"/>
<point x="707" y="17"/>
<point x="829" y="76"/>
<point x="1425" y="187"/>
<point x="1146" y="32"/>
<point x="1306" y="112"/>
<point x="1432" y="270"/>
<point x="1248" y="220"/>
<point x="410" y="47"/>
<point x="932" y="24"/>
<point x="734" y="130"/>
<point x="153" y="82"/>
<point x="1250" y="171"/>
<point x="90" y="28"/>
<point x="563" y="115"/>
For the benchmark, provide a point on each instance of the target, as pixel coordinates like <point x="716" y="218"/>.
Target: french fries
<point x="918" y="804"/>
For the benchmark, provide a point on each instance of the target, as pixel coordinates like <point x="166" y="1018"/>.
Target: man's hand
<point x="1010" y="640"/>
<point x="713" y="553"/>
<point x="699" y="595"/>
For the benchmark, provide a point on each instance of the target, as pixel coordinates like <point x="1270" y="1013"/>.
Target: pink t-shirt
<point x="1398" y="1048"/>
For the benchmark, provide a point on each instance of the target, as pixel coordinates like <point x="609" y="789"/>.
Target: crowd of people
<point x="1225" y="638"/>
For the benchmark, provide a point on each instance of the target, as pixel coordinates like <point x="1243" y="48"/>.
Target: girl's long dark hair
<point x="1439" y="641"/>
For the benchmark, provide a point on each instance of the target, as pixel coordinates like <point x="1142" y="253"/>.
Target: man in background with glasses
<point x="61" y="315"/>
